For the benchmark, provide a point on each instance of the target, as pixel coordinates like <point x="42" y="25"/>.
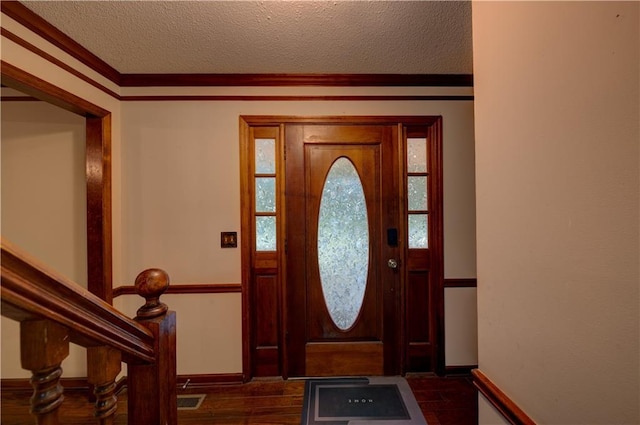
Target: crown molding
<point x="32" y="21"/>
<point x="289" y="80"/>
<point x="55" y="61"/>
<point x="300" y="98"/>
<point x="24" y="16"/>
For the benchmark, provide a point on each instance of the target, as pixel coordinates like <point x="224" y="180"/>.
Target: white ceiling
<point x="327" y="37"/>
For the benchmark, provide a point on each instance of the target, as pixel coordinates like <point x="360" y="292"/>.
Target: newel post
<point x="152" y="394"/>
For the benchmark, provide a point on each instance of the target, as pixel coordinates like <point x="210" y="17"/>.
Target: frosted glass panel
<point x="265" y="194"/>
<point x="265" y="156"/>
<point x="418" y="231"/>
<point x="417" y="155"/>
<point x="343" y="243"/>
<point x="417" y="188"/>
<point x="265" y="233"/>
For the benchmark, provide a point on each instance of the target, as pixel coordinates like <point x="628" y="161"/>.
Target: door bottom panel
<point x="344" y="359"/>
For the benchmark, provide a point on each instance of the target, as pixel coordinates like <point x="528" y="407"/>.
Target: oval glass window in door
<point x="343" y="243"/>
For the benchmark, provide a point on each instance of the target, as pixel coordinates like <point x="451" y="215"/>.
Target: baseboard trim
<point x="459" y="370"/>
<point x="81" y="384"/>
<point x="200" y="382"/>
<point x="23" y="384"/>
<point x="211" y="380"/>
<point x="503" y="404"/>
<point x="460" y="282"/>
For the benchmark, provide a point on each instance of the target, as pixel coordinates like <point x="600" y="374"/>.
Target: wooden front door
<point x="342" y="277"/>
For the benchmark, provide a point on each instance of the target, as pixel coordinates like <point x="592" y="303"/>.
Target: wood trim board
<point x="193" y="381"/>
<point x="24" y="16"/>
<point x="503" y="404"/>
<point x="20" y="41"/>
<point x="98" y="169"/>
<point x="297" y="98"/>
<point x="198" y="288"/>
<point x="262" y="80"/>
<point x="460" y="282"/>
<point x="297" y="80"/>
<point x="29" y="84"/>
<point x="459" y="370"/>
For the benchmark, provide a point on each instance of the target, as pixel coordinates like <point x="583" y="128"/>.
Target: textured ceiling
<point x="350" y="37"/>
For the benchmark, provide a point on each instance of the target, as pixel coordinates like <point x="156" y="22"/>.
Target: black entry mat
<point x="351" y="401"/>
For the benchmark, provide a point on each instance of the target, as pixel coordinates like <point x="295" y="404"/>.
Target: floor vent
<point x="190" y="401"/>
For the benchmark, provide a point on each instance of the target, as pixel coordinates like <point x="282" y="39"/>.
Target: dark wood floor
<point x="444" y="401"/>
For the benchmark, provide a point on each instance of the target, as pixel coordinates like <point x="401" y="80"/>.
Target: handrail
<point x="53" y="312"/>
<point x="29" y="290"/>
<point x="498" y="399"/>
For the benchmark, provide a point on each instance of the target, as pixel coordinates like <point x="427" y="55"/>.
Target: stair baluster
<point x="43" y="347"/>
<point x="103" y="366"/>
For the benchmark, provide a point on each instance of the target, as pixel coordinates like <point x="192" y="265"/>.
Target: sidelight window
<point x="417" y="183"/>
<point x="265" y="194"/>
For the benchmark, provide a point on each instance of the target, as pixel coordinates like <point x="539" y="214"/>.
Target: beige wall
<point x="181" y="167"/>
<point x="208" y="329"/>
<point x="460" y="327"/>
<point x="18" y="56"/>
<point x="557" y="160"/>
<point x="182" y="188"/>
<point x="75" y="365"/>
<point x="176" y="186"/>
<point x="43" y="185"/>
<point x="488" y="414"/>
<point x="43" y="202"/>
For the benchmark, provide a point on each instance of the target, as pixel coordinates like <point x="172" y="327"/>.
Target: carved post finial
<point x="150" y="284"/>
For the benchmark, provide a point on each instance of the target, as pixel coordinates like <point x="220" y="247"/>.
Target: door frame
<point x="276" y="353"/>
<point x="98" y="171"/>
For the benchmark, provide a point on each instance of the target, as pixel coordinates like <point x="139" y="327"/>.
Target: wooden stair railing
<point x="54" y="312"/>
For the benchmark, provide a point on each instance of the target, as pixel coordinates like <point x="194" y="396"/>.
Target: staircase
<point x="54" y="312"/>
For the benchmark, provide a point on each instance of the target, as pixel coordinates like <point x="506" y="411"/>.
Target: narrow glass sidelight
<point x="418" y="231"/>
<point x="266" y="233"/>
<point x="343" y="243"/>
<point x="265" y="194"/>
<point x="417" y="193"/>
<point x="417" y="155"/>
<point x="265" y="156"/>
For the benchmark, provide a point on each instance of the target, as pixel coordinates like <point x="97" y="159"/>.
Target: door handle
<point x="392" y="263"/>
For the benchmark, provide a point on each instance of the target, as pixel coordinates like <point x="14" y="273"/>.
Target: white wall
<point x="182" y="188"/>
<point x="44" y="203"/>
<point x="557" y="161"/>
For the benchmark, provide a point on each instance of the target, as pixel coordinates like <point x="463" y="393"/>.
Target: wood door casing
<point x="316" y="345"/>
<point x="269" y="331"/>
